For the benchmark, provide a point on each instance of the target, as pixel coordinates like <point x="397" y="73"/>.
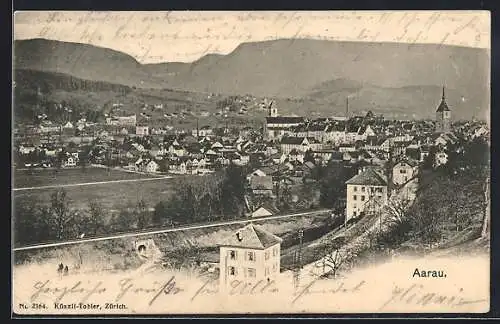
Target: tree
<point x="160" y="214"/>
<point x="184" y="257"/>
<point x="332" y="184"/>
<point x="309" y="156"/>
<point x="142" y="214"/>
<point x="64" y="221"/>
<point x="95" y="218"/>
<point x="164" y="167"/>
<point x="335" y="256"/>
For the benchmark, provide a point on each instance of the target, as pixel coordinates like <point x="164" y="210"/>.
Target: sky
<point x="184" y="36"/>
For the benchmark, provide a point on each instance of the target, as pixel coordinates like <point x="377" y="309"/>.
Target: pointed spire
<point x="347" y="108"/>
<point x="443" y="93"/>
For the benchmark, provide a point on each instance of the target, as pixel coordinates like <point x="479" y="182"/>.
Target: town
<point x="287" y="154"/>
<point x="235" y="163"/>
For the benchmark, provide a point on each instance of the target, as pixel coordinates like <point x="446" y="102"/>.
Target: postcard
<point x="257" y="162"/>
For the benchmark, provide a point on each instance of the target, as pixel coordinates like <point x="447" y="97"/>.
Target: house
<point x="178" y="167"/>
<point x="176" y="150"/>
<point x="441" y="158"/>
<point x="403" y="171"/>
<point x="69" y="161"/>
<point x="367" y="185"/>
<point x="251" y="254"/>
<point x="326" y="155"/>
<point x="480" y="131"/>
<point x="342" y="148"/>
<point x="262" y="186"/>
<point x="301" y="144"/>
<point x="364" y="132"/>
<point x="205" y="131"/>
<point x="276" y="126"/>
<point x="152" y="166"/>
<point x="142" y="130"/>
<point x="295" y="155"/>
<point x="264" y="211"/>
<point x="335" y="133"/>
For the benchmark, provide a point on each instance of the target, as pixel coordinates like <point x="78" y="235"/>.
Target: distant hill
<point x="37" y="92"/>
<point x="81" y="60"/>
<point x="317" y="73"/>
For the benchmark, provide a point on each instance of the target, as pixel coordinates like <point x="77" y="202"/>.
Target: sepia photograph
<point x="250" y="162"/>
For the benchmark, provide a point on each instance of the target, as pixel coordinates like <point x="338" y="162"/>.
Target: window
<point x="362" y="198"/>
<point x="232" y="255"/>
<point x="266" y="271"/>
<point x="402" y="170"/>
<point x="362" y="189"/>
<point x="355" y="188"/>
<point x="275" y="251"/>
<point x="275" y="267"/>
<point x="267" y="255"/>
<point x="379" y="189"/>
<point x="355" y="197"/>
<point x="232" y="271"/>
<point x="251" y="256"/>
<point x="354" y="213"/>
<point x="251" y="272"/>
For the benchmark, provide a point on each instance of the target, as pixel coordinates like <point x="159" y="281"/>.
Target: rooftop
<point x="251" y="236"/>
<point x="368" y="177"/>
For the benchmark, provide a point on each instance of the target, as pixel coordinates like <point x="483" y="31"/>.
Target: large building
<point x="300" y="144"/>
<point x="276" y="126"/>
<point x="367" y="188"/>
<point x="249" y="255"/>
<point x="443" y="116"/>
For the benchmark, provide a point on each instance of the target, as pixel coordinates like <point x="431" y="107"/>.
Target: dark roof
<point x="367" y="177"/>
<point x="337" y="127"/>
<point x="292" y="140"/>
<point x="284" y="120"/>
<point x="251" y="236"/>
<point x="443" y="106"/>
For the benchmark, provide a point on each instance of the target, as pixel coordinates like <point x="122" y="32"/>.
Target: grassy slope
<point x="40" y="177"/>
<point x="119" y="253"/>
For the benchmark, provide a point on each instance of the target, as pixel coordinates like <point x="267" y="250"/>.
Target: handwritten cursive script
<point x="416" y="294"/>
<point x="340" y="288"/>
<point x="128" y="287"/>
<point x="46" y="288"/>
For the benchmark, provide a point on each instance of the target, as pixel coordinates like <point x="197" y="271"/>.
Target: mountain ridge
<point x="286" y="68"/>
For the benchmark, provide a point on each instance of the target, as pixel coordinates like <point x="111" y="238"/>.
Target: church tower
<point x="443" y="116"/>
<point x="272" y="110"/>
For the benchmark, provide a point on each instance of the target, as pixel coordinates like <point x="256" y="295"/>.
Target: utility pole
<point x="298" y="260"/>
<point x="347" y="108"/>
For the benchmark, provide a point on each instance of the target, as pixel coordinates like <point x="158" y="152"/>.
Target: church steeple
<point x="443" y="115"/>
<point x="443" y="106"/>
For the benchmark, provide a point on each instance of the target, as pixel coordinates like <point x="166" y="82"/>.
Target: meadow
<point x="114" y="195"/>
<point x="23" y="178"/>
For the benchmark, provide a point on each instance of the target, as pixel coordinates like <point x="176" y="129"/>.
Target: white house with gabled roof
<point x="250" y="255"/>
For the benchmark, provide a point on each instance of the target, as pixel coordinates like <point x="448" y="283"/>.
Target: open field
<point x="45" y="177"/>
<point x="111" y="196"/>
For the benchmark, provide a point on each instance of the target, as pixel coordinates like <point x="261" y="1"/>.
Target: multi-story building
<point x="403" y="171"/>
<point x="276" y="126"/>
<point x="142" y="130"/>
<point x="443" y="116"/>
<point x="300" y="144"/>
<point x="368" y="187"/>
<point x="249" y="255"/>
